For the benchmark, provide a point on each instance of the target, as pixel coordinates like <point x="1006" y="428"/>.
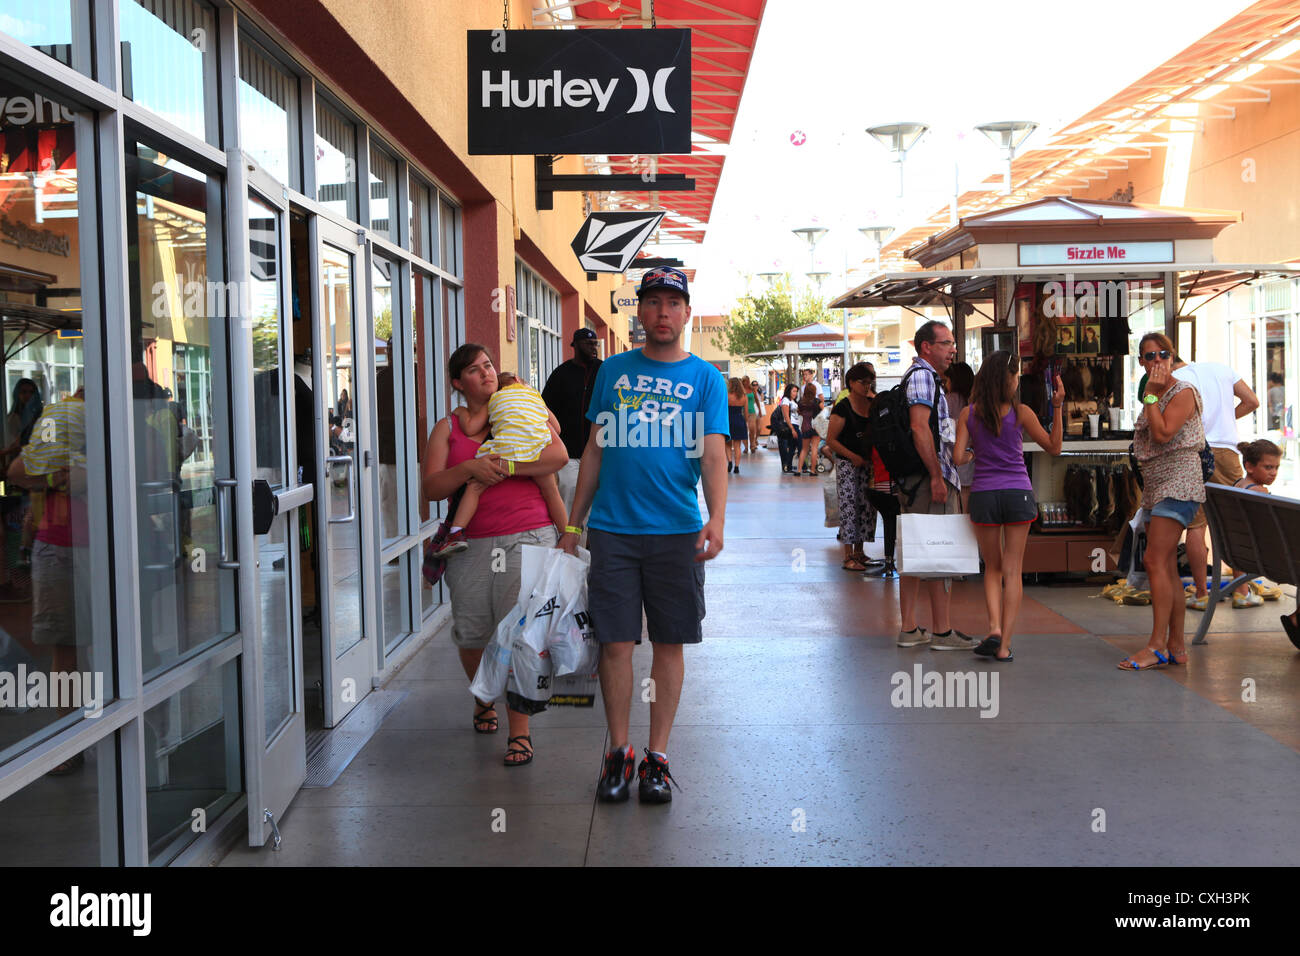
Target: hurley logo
<point x="555" y="91"/>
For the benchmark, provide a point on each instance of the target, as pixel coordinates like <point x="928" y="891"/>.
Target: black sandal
<point x="513" y="750"/>
<point x="488" y="724"/>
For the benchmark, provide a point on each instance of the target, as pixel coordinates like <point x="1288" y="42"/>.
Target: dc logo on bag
<point x="546" y="610"/>
<point x="543" y="682"/>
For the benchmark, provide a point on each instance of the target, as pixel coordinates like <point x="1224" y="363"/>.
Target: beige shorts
<point x="923" y="504"/>
<point x="60" y="595"/>
<point x="1227" y="471"/>
<point x="481" y="596"/>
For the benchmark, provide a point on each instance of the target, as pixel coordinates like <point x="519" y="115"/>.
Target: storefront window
<point x="418" y="211"/>
<point x="336" y="162"/>
<point x="450" y="220"/>
<point x="169" y="61"/>
<point x="43" y="24"/>
<point x="268" y="114"/>
<point x="178" y="406"/>
<point x="388" y="396"/>
<point x="421" y="300"/>
<point x="45" y="562"/>
<point x="397" y="601"/>
<point x="66" y="818"/>
<point x="383" y="193"/>
<point x="192" y="760"/>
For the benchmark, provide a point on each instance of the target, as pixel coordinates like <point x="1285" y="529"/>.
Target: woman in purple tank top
<point x="1002" y="505"/>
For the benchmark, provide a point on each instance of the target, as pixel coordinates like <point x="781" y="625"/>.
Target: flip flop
<point x="1129" y="664"/>
<point x="989" y="646"/>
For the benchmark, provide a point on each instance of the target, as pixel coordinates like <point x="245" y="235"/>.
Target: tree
<point x="755" y="322"/>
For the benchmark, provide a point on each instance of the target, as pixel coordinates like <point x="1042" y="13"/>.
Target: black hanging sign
<point x="579" y="91"/>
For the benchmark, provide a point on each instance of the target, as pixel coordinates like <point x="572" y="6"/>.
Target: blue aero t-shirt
<point x="650" y="419"/>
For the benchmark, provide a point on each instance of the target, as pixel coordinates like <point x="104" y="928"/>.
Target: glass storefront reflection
<point x="268" y="114"/>
<point x="66" y="818"/>
<point x="168" y="52"/>
<point x="52" y="671"/>
<point x="192" y="760"/>
<point x="388" y="388"/>
<point x="43" y="24"/>
<point x="182" y="448"/>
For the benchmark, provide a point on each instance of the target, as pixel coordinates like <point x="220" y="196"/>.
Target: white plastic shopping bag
<point x="937" y="546"/>
<point x="876" y="548"/>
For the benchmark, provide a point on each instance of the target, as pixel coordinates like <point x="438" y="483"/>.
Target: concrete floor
<point x="790" y="750"/>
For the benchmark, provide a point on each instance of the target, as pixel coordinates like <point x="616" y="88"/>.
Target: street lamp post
<point x="1009" y="136"/>
<point x="898" y="138"/>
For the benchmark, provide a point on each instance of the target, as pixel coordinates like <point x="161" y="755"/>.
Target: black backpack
<point x="777" y="423"/>
<point x="891" y="431"/>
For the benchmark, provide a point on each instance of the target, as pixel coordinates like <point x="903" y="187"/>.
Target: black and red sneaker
<point x="616" y="779"/>
<point x="656" y="782"/>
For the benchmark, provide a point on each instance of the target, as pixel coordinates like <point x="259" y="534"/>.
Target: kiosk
<point x="1059" y="281"/>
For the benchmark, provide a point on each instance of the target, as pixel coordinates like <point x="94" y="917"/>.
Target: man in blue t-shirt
<point x="659" y="417"/>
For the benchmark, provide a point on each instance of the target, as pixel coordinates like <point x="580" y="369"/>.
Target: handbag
<point x="937" y="546"/>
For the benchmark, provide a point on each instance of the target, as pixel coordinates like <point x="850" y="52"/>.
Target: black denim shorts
<point x="1006" y="506"/>
<point x="655" y="571"/>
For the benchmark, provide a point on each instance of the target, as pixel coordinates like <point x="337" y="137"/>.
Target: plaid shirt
<point x="921" y="391"/>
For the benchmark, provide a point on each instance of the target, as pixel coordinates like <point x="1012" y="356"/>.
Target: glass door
<point x="342" y="375"/>
<point x="274" y="724"/>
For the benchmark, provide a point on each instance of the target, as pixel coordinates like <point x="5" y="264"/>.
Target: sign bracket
<point x="549" y="183"/>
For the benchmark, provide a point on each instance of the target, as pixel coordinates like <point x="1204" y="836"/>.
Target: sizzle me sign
<point x="1095" y="253"/>
<point x="579" y="91"/>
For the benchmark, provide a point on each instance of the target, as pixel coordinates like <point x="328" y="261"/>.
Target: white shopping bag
<point x="937" y="546"/>
<point x="876" y="549"/>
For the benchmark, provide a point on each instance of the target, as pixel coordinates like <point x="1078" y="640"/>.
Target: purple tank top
<point x="999" y="459"/>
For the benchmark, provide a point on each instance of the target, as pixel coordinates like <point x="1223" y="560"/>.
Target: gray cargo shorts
<point x="655" y="571"/>
<point x="481" y="597"/>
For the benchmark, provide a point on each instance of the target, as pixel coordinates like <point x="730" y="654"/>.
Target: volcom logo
<point x="555" y="91"/>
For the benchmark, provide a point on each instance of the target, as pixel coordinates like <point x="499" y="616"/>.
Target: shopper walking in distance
<point x="738" y="427"/>
<point x="1167" y="442"/>
<point x="567" y="394"/>
<point x="788" y="442"/>
<point x="753" y="411"/>
<point x="960" y="380"/>
<point x="1226" y="397"/>
<point x="1002" y="505"/>
<point x="810" y="403"/>
<point x="848" y="436"/>
<point x="938" y="490"/>
<point x="660" y="417"/>
<point x="511" y="512"/>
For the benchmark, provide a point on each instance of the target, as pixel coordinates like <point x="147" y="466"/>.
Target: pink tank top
<point x="508" y="507"/>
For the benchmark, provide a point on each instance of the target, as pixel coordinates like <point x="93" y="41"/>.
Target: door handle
<point x="222" y="484"/>
<point x="173" y="487"/>
<point x="352" y="512"/>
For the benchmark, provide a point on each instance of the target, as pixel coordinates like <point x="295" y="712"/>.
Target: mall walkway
<point x="786" y="718"/>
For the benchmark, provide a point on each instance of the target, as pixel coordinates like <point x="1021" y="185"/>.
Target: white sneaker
<point x="912" y="638"/>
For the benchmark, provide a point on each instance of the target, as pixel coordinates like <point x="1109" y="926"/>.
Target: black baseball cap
<point x="664" y="278"/>
<point x="583" y="334"/>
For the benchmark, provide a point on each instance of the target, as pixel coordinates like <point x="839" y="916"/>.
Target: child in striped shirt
<point x="521" y="428"/>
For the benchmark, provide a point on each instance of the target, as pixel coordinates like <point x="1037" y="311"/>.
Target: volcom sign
<point x="579" y="91"/>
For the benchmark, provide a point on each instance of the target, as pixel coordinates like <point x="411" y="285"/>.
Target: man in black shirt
<point x="567" y="394"/>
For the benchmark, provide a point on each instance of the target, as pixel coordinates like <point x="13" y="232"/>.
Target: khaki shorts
<point x="922" y="504"/>
<point x="1227" y="471"/>
<point x="480" y="596"/>
<point x="60" y="595"/>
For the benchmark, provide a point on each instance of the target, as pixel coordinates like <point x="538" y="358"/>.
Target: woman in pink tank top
<point x="511" y="513"/>
<point x="1002" y="498"/>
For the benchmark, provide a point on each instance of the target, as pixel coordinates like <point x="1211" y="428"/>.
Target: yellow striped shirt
<point x="520" y="426"/>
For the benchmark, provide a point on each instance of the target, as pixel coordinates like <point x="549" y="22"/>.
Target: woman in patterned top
<point x="1167" y="441"/>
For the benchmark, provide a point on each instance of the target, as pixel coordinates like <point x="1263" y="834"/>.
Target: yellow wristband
<point x="510" y="465"/>
<point x="572" y="529"/>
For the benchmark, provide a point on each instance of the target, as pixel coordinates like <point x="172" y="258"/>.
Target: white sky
<point x="831" y="68"/>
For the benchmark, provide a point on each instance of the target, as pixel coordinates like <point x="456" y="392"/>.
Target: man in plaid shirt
<point x="936" y="493"/>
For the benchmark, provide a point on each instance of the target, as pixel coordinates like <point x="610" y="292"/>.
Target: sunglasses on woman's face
<point x="1152" y="356"/>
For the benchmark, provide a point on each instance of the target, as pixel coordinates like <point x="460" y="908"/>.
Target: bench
<point x="1254" y="533"/>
